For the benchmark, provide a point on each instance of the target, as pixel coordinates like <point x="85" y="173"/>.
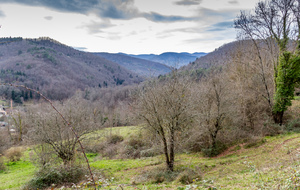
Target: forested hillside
<point x="141" y="67"/>
<point x="220" y="56"/>
<point x="56" y="69"/>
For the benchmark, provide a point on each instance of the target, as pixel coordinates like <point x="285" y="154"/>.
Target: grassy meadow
<point x="271" y="163"/>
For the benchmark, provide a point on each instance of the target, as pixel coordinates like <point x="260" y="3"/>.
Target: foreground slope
<point x="269" y="163"/>
<point x="140" y="66"/>
<point x="56" y="69"/>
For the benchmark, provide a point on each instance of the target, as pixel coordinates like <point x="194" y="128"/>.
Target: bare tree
<point x="214" y="108"/>
<point x="166" y="109"/>
<point x="274" y="26"/>
<point x="248" y="85"/>
<point x="47" y="127"/>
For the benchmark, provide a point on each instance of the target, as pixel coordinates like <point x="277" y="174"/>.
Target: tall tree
<point x="274" y="25"/>
<point x="166" y="109"/>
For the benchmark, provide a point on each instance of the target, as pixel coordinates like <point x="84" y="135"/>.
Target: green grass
<point x="16" y="175"/>
<point x="123" y="131"/>
<point x="297" y="97"/>
<point x="3" y="102"/>
<point x="265" y="166"/>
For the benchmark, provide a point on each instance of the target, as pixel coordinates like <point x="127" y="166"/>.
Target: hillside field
<point x="272" y="162"/>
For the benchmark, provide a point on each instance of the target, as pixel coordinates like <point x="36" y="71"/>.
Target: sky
<point x="128" y="26"/>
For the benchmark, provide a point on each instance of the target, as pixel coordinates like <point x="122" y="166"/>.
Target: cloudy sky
<point x="129" y="26"/>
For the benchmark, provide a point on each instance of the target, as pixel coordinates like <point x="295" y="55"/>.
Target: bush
<point x="271" y="129"/>
<point x="255" y="143"/>
<point x="188" y="176"/>
<point x="157" y="175"/>
<point x="151" y="152"/>
<point x="211" y="152"/>
<point x="110" y="151"/>
<point x="47" y="176"/>
<point x="135" y="142"/>
<point x="293" y="125"/>
<point x="114" y="139"/>
<point x="2" y="166"/>
<point x="13" y="154"/>
<point x="132" y="148"/>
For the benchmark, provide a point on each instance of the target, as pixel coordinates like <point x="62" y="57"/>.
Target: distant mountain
<point x="171" y="59"/>
<point x="56" y="69"/>
<point x="142" y="67"/>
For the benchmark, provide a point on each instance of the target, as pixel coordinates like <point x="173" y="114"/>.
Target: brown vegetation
<point x="57" y="70"/>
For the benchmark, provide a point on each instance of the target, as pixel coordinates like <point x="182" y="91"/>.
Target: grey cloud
<point x="97" y="27"/>
<point x="184" y="30"/>
<point x="114" y="36"/>
<point x="205" y="39"/>
<point x="48" y="17"/>
<point x="213" y="14"/>
<point x="108" y="9"/>
<point x="155" y="17"/>
<point x="188" y="2"/>
<point x="2" y="14"/>
<point x="221" y="26"/>
<point x="233" y="2"/>
<point x="116" y="9"/>
<point x="61" y="5"/>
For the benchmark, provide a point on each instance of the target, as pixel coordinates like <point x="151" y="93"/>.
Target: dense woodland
<point x="239" y="93"/>
<point x="55" y="69"/>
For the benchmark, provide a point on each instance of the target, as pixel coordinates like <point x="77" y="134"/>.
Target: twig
<point x="65" y="120"/>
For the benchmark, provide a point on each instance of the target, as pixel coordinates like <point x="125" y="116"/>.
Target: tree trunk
<point x="172" y="153"/>
<point x="166" y="152"/>
<point x="278" y="117"/>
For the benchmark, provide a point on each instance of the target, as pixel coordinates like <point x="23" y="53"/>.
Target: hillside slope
<point x="56" y="69"/>
<point x="221" y="56"/>
<point x="272" y="164"/>
<point x="141" y="67"/>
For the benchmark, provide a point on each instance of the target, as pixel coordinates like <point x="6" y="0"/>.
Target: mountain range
<point x="139" y="66"/>
<point x="58" y="70"/>
<point x="171" y="59"/>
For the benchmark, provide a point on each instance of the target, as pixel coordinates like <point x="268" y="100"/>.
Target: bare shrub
<point x="214" y="105"/>
<point x="46" y="127"/>
<point x="42" y="155"/>
<point x="188" y="176"/>
<point x="114" y="139"/>
<point x="110" y="151"/>
<point x="14" y="154"/>
<point x="5" y="142"/>
<point x="132" y="147"/>
<point x="151" y="152"/>
<point x="63" y="174"/>
<point x="156" y="175"/>
<point x="293" y="125"/>
<point x="114" y="104"/>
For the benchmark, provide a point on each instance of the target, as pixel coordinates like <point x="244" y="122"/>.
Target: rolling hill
<point x="221" y="56"/>
<point x="171" y="59"/>
<point x="142" y="67"/>
<point x="56" y="69"/>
